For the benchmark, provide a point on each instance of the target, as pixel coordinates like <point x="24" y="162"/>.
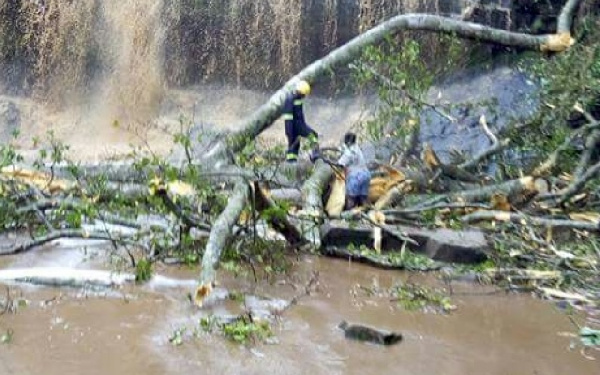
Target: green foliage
<point x="237" y="296"/>
<point x="418" y="297"/>
<point x="247" y="330"/>
<point x="402" y="75"/>
<point x="479" y="267"/>
<point x="234" y="266"/>
<point x="209" y="323"/>
<point x="265" y="258"/>
<point x="590" y="337"/>
<point x="143" y="270"/>
<point x="7" y="337"/>
<point x="278" y="211"/>
<point x="176" y="337"/>
<point x="9" y="156"/>
<point x="189" y="254"/>
<point x="242" y="330"/>
<point x="566" y="79"/>
<point x="403" y="259"/>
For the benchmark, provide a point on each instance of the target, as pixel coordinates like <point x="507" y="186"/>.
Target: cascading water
<point x="104" y="60"/>
<point x="105" y="55"/>
<point x="66" y="47"/>
<point x="130" y="42"/>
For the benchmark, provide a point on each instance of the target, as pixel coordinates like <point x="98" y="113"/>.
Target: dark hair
<point x="349" y="138"/>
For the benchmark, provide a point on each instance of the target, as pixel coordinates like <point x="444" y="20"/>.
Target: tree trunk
<point x="312" y="192"/>
<point x="261" y="119"/>
<point x="221" y="232"/>
<point x="279" y="222"/>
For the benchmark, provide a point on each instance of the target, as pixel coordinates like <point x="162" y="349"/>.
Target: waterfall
<point x="121" y="52"/>
<point x="261" y="43"/>
<point x="130" y="38"/>
<point x="103" y="55"/>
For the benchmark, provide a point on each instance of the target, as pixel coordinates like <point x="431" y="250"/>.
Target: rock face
<point x="247" y="43"/>
<point x="510" y="90"/>
<point x="10" y="120"/>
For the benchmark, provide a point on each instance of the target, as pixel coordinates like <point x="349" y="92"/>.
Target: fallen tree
<point x="218" y="188"/>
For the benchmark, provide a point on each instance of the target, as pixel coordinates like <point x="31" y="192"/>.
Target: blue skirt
<point x="357" y="182"/>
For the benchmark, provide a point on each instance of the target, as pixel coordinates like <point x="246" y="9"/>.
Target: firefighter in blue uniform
<point x="295" y="125"/>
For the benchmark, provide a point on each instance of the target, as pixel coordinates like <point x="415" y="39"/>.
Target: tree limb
<point x="508" y="188"/>
<point x="526" y="220"/>
<point x="483" y="155"/>
<point x="591" y="142"/>
<point x="435" y="207"/>
<point x="221" y="232"/>
<point x="386" y="81"/>
<point x="73" y="204"/>
<point x="312" y="192"/>
<point x="579" y="183"/>
<point x="59" y="277"/>
<point x="187" y="220"/>
<point x="565" y="18"/>
<point x="65" y="233"/>
<point x="496" y="147"/>
<point x="279" y="222"/>
<point x="389" y="230"/>
<point x="550" y="162"/>
<point x="262" y="119"/>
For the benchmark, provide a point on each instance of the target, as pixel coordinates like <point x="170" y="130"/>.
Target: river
<point x="128" y="330"/>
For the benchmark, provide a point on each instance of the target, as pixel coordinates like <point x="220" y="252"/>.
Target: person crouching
<point x="358" y="176"/>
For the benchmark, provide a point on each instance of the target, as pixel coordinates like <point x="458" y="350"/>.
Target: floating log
<point x="368" y="334"/>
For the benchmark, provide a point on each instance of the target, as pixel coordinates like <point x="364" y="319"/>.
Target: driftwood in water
<point x="60" y="277"/>
<point x="368" y="334"/>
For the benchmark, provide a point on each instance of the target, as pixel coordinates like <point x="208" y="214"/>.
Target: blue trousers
<point x="293" y="132"/>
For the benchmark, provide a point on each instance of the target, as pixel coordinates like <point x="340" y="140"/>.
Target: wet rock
<point x="263" y="308"/>
<point x="382" y="150"/>
<point x="468" y="246"/>
<point x="501" y="91"/>
<point x="10" y="120"/>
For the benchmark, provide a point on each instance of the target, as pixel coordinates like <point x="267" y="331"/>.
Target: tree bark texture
<point x="312" y="193"/>
<point x="221" y="232"/>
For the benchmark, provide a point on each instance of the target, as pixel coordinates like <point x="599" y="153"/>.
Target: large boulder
<point x="511" y="96"/>
<point x="467" y="246"/>
<point x="10" y="120"/>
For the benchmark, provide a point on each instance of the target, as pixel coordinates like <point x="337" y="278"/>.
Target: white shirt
<point x="352" y="158"/>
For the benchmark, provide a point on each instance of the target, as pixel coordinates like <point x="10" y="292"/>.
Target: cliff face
<point x="63" y="47"/>
<point x="260" y="43"/>
<point x="57" y="47"/>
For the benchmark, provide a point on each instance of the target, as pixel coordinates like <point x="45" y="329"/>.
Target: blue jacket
<point x="295" y="124"/>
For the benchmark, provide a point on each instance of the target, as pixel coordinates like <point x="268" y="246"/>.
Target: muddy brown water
<point x="69" y="331"/>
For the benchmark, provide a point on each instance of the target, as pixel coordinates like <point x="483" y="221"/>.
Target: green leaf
<point x="589" y="336"/>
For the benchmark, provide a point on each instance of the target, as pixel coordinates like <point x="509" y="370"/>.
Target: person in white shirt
<point x="358" y="176"/>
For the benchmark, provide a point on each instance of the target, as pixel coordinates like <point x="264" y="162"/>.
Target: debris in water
<point x="7" y="337"/>
<point x="368" y="334"/>
<point x="202" y="292"/>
